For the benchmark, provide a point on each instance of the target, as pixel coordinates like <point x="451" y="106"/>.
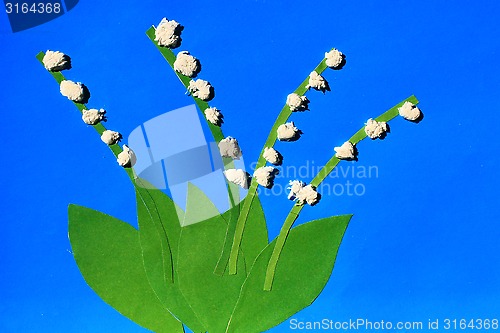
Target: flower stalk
<point x="318" y="179"/>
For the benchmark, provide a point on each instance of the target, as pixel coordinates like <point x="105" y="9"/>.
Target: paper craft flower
<point x="409" y="111"/>
<point x="334" y="58"/>
<point x="93" y="116"/>
<point x="303" y="193"/>
<point x="272" y="156"/>
<point x="201" y="89"/>
<point x="297" y="102"/>
<point x="288" y="132"/>
<point x="238" y="177"/>
<point x="72" y="90"/>
<point x="110" y="137"/>
<point x="186" y="64"/>
<point x="264" y="176"/>
<point x="56" y="61"/>
<point x="214" y="116"/>
<point x="126" y="158"/>
<point x="229" y="147"/>
<point x="345" y="152"/>
<point x="375" y="129"/>
<point x="317" y="82"/>
<point x="168" y="33"/>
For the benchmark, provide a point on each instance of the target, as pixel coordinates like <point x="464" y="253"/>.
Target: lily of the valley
<point x="345" y="152"/>
<point x="56" y="61"/>
<point x="265" y="175"/>
<point x="238" y="177"/>
<point x="334" y="58"/>
<point x="110" y="137"/>
<point x="317" y="82"/>
<point x="201" y="89"/>
<point x="303" y="193"/>
<point x="297" y="102"/>
<point x="409" y="111"/>
<point x="229" y="147"/>
<point x="72" y="90"/>
<point x="375" y="129"/>
<point x="214" y="116"/>
<point x="127" y="157"/>
<point x="186" y="64"/>
<point x="272" y="156"/>
<point x="93" y="116"/>
<point x="168" y="33"/>
<point x="288" y="132"/>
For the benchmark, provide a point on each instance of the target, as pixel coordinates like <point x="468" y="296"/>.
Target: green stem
<point x="252" y="191"/>
<point x="318" y="179"/>
<point x="116" y="149"/>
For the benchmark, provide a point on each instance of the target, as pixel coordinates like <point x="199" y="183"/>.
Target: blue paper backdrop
<point x="423" y="243"/>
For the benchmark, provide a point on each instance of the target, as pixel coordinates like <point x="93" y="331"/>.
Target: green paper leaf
<point x="198" y="206"/>
<point x="159" y="231"/>
<point x="305" y="266"/>
<point x="108" y="254"/>
<point x="211" y="296"/>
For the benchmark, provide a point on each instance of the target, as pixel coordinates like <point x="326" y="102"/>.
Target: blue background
<point x="424" y="239"/>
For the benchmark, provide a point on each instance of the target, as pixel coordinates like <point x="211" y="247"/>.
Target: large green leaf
<point x="304" y="267"/>
<point x="108" y="254"/>
<point x="159" y="231"/>
<point x="211" y="296"/>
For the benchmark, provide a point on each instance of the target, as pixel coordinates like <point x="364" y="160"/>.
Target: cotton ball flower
<point x="272" y="156"/>
<point x="265" y="176"/>
<point x="127" y="157"/>
<point x="56" y="61"/>
<point x="308" y="195"/>
<point x="375" y="129"/>
<point x="346" y="152"/>
<point x="214" y="116"/>
<point x="110" y="137"/>
<point x="288" y="132"/>
<point x="238" y="177"/>
<point x="317" y="82"/>
<point x="295" y="186"/>
<point x="409" y="111"/>
<point x="168" y="33"/>
<point x="186" y="64"/>
<point x="93" y="116"/>
<point x="201" y="89"/>
<point x="297" y="102"/>
<point x="74" y="91"/>
<point x="334" y="58"/>
<point x="229" y="147"/>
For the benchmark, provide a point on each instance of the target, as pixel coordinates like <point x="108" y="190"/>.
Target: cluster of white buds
<point x="334" y="58"/>
<point x="272" y="156"/>
<point x="297" y="102"/>
<point x="55" y="61"/>
<point x="264" y="176"/>
<point x="376" y="129"/>
<point x="303" y="193"/>
<point x="168" y="33"/>
<point x="347" y="151"/>
<point x="186" y="64"/>
<point x="410" y="111"/>
<point x="214" y="116"/>
<point x="201" y="89"/>
<point x="317" y="82"/>
<point x="229" y="147"/>
<point x="288" y="132"/>
<point x="238" y="177"/>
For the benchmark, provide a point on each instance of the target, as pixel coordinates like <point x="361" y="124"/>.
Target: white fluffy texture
<point x="168" y="33"/>
<point x="55" y="61"/>
<point x="72" y="90"/>
<point x="110" y="137"/>
<point x="375" y="129"/>
<point x="333" y="58"/>
<point x="127" y="157"/>
<point x="272" y="156"/>
<point x="287" y="132"/>
<point x="214" y="116"/>
<point x="237" y="176"/>
<point x="297" y="102"/>
<point x="409" y="111"/>
<point x="345" y="152"/>
<point x="229" y="147"/>
<point x="186" y="64"/>
<point x="93" y="116"/>
<point x="201" y="89"/>
<point x="295" y="187"/>
<point x="308" y="194"/>
<point x="317" y="82"/>
<point x="264" y="176"/>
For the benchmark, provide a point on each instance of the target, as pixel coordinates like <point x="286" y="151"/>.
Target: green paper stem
<point x="116" y="149"/>
<point x="252" y="191"/>
<point x="318" y="179"/>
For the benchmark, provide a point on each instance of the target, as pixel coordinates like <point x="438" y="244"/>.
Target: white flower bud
<point x="56" y="61"/>
<point x="72" y="90"/>
<point x="317" y="82"/>
<point x="375" y="129"/>
<point x="288" y="132"/>
<point x="297" y="102"/>
<point x="110" y="137"/>
<point x="168" y="33"/>
<point x="303" y="193"/>
<point x="238" y="177"/>
<point x="345" y="152"/>
<point x="201" y="89"/>
<point x="265" y="176"/>
<point x="214" y="116"/>
<point x="127" y="157"/>
<point x="334" y="58"/>
<point x="93" y="116"/>
<point x="272" y="156"/>
<point x="186" y="64"/>
<point x="229" y="147"/>
<point x="409" y="111"/>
